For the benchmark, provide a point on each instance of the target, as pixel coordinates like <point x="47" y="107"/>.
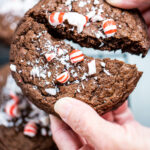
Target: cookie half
<point x="94" y="23"/>
<point x="46" y="68"/>
<point x="11" y="13"/>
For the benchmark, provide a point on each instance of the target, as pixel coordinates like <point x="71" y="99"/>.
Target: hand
<point x="142" y="5"/>
<point x="83" y="129"/>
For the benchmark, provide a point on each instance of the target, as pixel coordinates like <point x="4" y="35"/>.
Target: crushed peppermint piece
<point x="43" y="132"/>
<point x="13" y="67"/>
<point x="97" y="18"/>
<point x="107" y="72"/>
<point x="99" y="34"/>
<point x="76" y="56"/>
<point x="68" y="2"/>
<point x="76" y="81"/>
<point x="95" y="78"/>
<point x="78" y="90"/>
<point x="96" y="2"/>
<point x="38" y="71"/>
<point x="82" y="85"/>
<point x="84" y="76"/>
<point x="91" y="14"/>
<point x="63" y="77"/>
<point x="103" y="64"/>
<point x="82" y="3"/>
<point x="30" y="129"/>
<point x="92" y="67"/>
<point x="102" y="44"/>
<point x="44" y="119"/>
<point x="75" y="75"/>
<point x="51" y="91"/>
<point x="77" y="20"/>
<point x="109" y="27"/>
<point x="49" y="74"/>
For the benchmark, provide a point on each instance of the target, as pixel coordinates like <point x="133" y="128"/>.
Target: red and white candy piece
<point x="30" y="129"/>
<point x="12" y="109"/>
<point x="14" y="97"/>
<point x="76" y="56"/>
<point x="87" y="19"/>
<point x="50" y="56"/>
<point x="64" y="77"/>
<point x="60" y="51"/>
<point x="109" y="27"/>
<point x="56" y="18"/>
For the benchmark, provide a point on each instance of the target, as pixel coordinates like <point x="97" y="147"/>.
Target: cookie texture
<point x="47" y="68"/>
<point x="88" y="22"/>
<point x="12" y="128"/>
<point x="11" y="13"/>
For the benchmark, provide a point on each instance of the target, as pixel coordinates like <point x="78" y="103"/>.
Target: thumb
<point x="128" y="4"/>
<point x="87" y="123"/>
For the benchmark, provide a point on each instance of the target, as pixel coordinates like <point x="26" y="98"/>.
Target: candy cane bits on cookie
<point x="76" y="56"/>
<point x="56" y="18"/>
<point x="109" y="27"/>
<point x="50" y="56"/>
<point x="63" y="77"/>
<point x="30" y="129"/>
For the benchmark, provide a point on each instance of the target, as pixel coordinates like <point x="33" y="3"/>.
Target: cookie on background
<point x="11" y="11"/>
<point x="22" y="125"/>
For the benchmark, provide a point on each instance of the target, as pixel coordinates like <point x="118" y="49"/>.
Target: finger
<point x="146" y="16"/>
<point x="123" y="114"/>
<point x="149" y="31"/>
<point x="128" y="4"/>
<point x="144" y="7"/>
<point x="63" y="136"/>
<point x="108" y="116"/>
<point x="122" y="108"/>
<point x="86" y="122"/>
<point x="86" y="147"/>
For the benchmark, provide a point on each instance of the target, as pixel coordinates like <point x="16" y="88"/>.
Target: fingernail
<point x="126" y="4"/>
<point x="114" y="2"/>
<point x="63" y="107"/>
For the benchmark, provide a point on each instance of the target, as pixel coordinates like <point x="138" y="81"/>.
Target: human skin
<point x="81" y="128"/>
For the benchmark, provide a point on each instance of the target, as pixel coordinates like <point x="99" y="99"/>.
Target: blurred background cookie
<point x="11" y="11"/>
<point x="22" y="125"/>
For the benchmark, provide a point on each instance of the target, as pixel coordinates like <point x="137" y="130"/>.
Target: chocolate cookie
<point x="22" y="125"/>
<point x="10" y="14"/>
<point x="47" y="68"/>
<point x="94" y="23"/>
